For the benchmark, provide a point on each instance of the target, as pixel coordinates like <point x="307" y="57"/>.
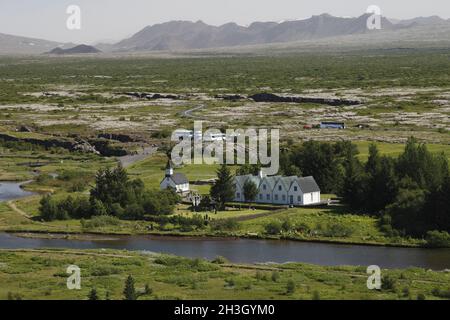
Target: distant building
<point x="175" y="181"/>
<point x="332" y="125"/>
<point x="281" y="190"/>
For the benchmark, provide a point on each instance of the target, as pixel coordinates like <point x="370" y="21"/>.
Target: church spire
<point x="169" y="168"/>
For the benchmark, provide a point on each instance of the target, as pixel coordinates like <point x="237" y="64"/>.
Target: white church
<point x="175" y="181"/>
<point x="281" y="190"/>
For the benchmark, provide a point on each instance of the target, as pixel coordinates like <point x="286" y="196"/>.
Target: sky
<point x="113" y="20"/>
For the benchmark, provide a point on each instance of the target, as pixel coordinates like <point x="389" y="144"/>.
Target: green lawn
<point x="395" y="149"/>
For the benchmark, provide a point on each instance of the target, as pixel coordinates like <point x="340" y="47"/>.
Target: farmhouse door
<point x="291" y="199"/>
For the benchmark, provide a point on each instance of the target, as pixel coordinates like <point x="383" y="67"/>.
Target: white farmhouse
<point x="175" y="181"/>
<point x="281" y="190"/>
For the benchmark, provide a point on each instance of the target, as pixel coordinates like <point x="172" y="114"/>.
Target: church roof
<point x="179" y="178"/>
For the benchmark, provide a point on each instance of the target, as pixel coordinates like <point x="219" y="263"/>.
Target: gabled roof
<point x="308" y="185"/>
<point x="179" y="178"/>
<point x="241" y="180"/>
<point x="271" y="181"/>
<point x="288" y="181"/>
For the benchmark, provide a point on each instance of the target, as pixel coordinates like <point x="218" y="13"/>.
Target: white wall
<point x="168" y="183"/>
<point x="280" y="196"/>
<point x="297" y="195"/>
<point x="264" y="193"/>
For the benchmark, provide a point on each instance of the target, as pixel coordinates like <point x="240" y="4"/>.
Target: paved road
<point x="129" y="160"/>
<point x="188" y="113"/>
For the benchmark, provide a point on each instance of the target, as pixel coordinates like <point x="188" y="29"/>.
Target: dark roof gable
<point x="179" y="178"/>
<point x="308" y="185"/>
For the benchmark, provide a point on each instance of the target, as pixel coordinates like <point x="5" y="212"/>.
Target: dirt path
<point x="13" y="207"/>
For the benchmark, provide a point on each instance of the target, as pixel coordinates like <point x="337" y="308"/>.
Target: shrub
<point x="337" y="230"/>
<point x="230" y="282"/>
<point x="290" y="287"/>
<point x="287" y="225"/>
<point x="105" y="270"/>
<point x="148" y="290"/>
<point x="316" y="295"/>
<point x="440" y="293"/>
<point x="220" y="260"/>
<point x="275" y="276"/>
<point x="436" y="239"/>
<point x="273" y="228"/>
<point x="224" y="225"/>
<point x="388" y="283"/>
<point x="100" y="221"/>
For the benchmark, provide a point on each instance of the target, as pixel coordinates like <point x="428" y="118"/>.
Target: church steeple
<point x="169" y="169"/>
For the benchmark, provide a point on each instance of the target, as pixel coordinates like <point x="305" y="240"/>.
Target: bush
<point x="337" y="230"/>
<point x="100" y="221"/>
<point x="316" y="295"/>
<point x="441" y="293"/>
<point x="436" y="239"/>
<point x="290" y="287"/>
<point x="287" y="225"/>
<point x="224" y="225"/>
<point x="275" y="276"/>
<point x="388" y="283"/>
<point x="273" y="228"/>
<point x="220" y="260"/>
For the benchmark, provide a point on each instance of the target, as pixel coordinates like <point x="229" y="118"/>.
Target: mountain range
<point x="186" y="35"/>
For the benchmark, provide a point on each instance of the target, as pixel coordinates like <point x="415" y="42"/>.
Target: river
<point x="12" y="190"/>
<point x="240" y="250"/>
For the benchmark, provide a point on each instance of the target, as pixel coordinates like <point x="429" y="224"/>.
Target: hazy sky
<point x="115" y="19"/>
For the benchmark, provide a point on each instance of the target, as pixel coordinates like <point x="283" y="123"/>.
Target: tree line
<point x="410" y="194"/>
<point x="114" y="194"/>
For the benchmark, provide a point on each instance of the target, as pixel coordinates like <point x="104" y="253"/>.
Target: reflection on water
<point x="252" y="251"/>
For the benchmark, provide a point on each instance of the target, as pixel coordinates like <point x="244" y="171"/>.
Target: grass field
<point x="41" y="274"/>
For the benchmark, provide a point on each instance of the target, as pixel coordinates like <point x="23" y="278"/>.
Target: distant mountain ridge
<point x="80" y="49"/>
<point x="10" y="44"/>
<point x="182" y="35"/>
<point x="186" y="35"/>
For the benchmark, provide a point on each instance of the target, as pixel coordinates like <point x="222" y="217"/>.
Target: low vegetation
<point x="119" y="275"/>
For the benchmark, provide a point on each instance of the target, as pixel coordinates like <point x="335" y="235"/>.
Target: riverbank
<point x="44" y="234"/>
<point x="365" y="229"/>
<point x="170" y="277"/>
<point x="239" y="250"/>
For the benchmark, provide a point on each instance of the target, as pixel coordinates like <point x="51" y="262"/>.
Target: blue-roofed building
<point x="332" y="125"/>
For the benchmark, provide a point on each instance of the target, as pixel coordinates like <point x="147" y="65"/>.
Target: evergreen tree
<point x="381" y="181"/>
<point x="250" y="191"/>
<point x="223" y="189"/>
<point x="129" y="291"/>
<point x="48" y="208"/>
<point x="321" y="161"/>
<point x="93" y="296"/>
<point x="353" y="188"/>
<point x="407" y="209"/>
